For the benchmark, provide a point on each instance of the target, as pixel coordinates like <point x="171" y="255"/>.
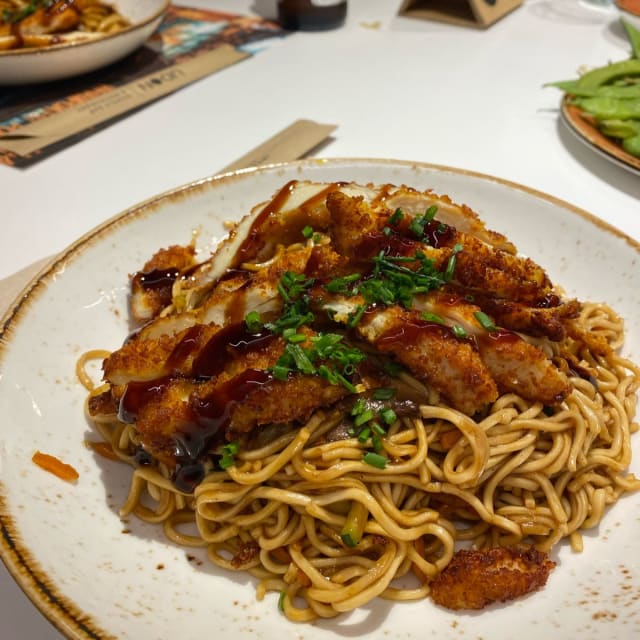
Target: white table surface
<point x="396" y="87"/>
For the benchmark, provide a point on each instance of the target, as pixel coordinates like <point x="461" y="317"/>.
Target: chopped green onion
<point x="396" y="216"/>
<point x="307" y="231"/>
<point x="417" y="226"/>
<point x="375" y="460"/>
<point x="432" y="317"/>
<point x="281" y="598"/>
<point x="384" y="393"/>
<point x="386" y="231"/>
<point x="363" y="417"/>
<point x="485" y="321"/>
<point x="358" y="407"/>
<point x="377" y="429"/>
<point x="280" y="372"/>
<point x="340" y="285"/>
<point x="253" y="322"/>
<point x="354" y="525"/>
<point x="364" y="434"/>
<point x="451" y="265"/>
<point x="301" y="359"/>
<point x="376" y="442"/>
<point x="430" y="213"/>
<point x="459" y="331"/>
<point x="388" y="416"/>
<point x="228" y="455"/>
<point x="356" y="316"/>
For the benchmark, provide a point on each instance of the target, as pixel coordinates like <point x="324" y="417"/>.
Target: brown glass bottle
<point x="311" y="15"/>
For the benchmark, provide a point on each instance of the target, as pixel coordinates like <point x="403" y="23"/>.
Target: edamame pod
<point x="620" y="128"/>
<point x="597" y="77"/>
<point x="632" y="145"/>
<point x="603" y="108"/>
<point x="573" y="88"/>
<point x="634" y="37"/>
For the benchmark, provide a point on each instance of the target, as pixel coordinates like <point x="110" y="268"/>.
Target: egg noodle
<point x="85" y="19"/>
<point x="520" y="474"/>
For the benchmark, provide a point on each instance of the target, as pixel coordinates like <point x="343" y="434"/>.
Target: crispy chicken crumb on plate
<point x="82" y="519"/>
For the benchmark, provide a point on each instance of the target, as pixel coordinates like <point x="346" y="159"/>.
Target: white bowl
<point x="630" y="11"/>
<point x="55" y="62"/>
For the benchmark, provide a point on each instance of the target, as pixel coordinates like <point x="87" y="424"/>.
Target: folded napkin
<point x="11" y="287"/>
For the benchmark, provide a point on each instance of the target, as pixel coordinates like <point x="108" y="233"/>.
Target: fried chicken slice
<point x="430" y="350"/>
<point x="547" y="319"/>
<point x="360" y="231"/>
<point x="514" y="364"/>
<point x="477" y="578"/>
<point x="151" y="287"/>
<point x="61" y="16"/>
<point x="462" y="217"/>
<point x="180" y="419"/>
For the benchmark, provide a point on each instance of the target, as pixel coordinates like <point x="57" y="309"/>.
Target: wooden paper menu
<point x="473" y="13"/>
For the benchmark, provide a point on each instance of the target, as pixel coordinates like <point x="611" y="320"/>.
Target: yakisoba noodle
<point x="518" y="473"/>
<point x="27" y="24"/>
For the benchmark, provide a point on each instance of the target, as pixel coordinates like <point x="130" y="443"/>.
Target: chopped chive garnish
<point x="430" y="213"/>
<point x="364" y="434"/>
<point x="300" y="358"/>
<point x="228" y="455"/>
<point x="432" y="317"/>
<point x="459" y="331"/>
<point x="376" y="442"/>
<point x="354" y="525"/>
<point x="375" y="460"/>
<point x="384" y="393"/>
<point x="377" y="429"/>
<point x="358" y="407"/>
<point x="396" y="216"/>
<point x="253" y="322"/>
<point x="281" y="598"/>
<point x="363" y="417"/>
<point x="451" y="265"/>
<point x="341" y="285"/>
<point x="316" y="237"/>
<point x="388" y="416"/>
<point x="280" y="372"/>
<point x="307" y="231"/>
<point x="355" y="317"/>
<point x="417" y="226"/>
<point x="485" y="321"/>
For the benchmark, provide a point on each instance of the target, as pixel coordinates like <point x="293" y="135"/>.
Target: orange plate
<point x="582" y="125"/>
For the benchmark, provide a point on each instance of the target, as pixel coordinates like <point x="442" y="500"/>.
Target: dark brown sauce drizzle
<point x="501" y="336"/>
<point x="248" y="246"/>
<point x="438" y="234"/>
<point x="550" y="300"/>
<point x="156" y="279"/>
<point x="410" y="332"/>
<point x="210" y="416"/>
<point x="209" y="412"/>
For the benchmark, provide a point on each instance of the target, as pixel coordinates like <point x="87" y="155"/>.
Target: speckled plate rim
<point x="586" y="133"/>
<point x="19" y="560"/>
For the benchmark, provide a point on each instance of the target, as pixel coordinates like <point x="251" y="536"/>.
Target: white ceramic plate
<point x="96" y="577"/>
<point x="26" y="66"/>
